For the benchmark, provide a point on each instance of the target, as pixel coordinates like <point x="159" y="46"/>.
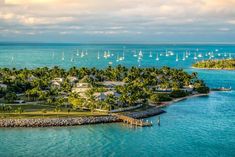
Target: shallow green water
<point x="203" y="126"/>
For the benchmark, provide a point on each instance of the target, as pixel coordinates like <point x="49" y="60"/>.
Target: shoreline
<point x="59" y="122"/>
<point x="227" y="69"/>
<point x="167" y="103"/>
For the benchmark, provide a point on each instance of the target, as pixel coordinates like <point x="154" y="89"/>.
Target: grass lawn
<point x="36" y="111"/>
<point x="50" y="114"/>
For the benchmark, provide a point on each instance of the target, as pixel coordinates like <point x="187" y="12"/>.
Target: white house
<point x="81" y="88"/>
<point x="112" y="84"/>
<point x="4" y="86"/>
<point x="72" y="79"/>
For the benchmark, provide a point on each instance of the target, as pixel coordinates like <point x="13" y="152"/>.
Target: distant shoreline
<point x="227" y="69"/>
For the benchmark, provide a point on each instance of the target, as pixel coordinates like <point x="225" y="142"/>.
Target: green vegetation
<point x="44" y="91"/>
<point x="216" y="64"/>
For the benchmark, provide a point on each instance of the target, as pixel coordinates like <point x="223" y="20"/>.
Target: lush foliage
<point x="140" y="85"/>
<point x="216" y="64"/>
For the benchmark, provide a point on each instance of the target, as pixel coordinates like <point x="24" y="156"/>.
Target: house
<point x="103" y="95"/>
<point x="4" y="86"/>
<point x="112" y="84"/>
<point x="55" y="84"/>
<point x="81" y="87"/>
<point x="188" y="88"/>
<point x="72" y="79"/>
<point x="58" y="79"/>
<point x="19" y="101"/>
<point x="31" y="78"/>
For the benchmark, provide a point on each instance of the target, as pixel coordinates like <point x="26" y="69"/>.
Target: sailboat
<point x="183" y="57"/>
<point x="77" y="53"/>
<point x="177" y="58"/>
<point x="171" y="53"/>
<point x="199" y="55"/>
<point x="98" y="55"/>
<point x="167" y="54"/>
<point x="86" y="53"/>
<point x="117" y="60"/>
<point x="134" y="55"/>
<point x="12" y="59"/>
<point x="123" y="55"/>
<point x="62" y="56"/>
<point x="195" y="56"/>
<point x="72" y="59"/>
<point x="108" y="54"/>
<point x="105" y="55"/>
<point x="82" y="54"/>
<point x="230" y="56"/>
<point x="157" y="58"/>
<point x="150" y="54"/>
<point x="140" y="54"/>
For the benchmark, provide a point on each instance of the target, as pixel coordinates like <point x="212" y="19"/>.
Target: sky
<point x="117" y="21"/>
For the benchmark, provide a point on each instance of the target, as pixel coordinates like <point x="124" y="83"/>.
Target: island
<point x="58" y="97"/>
<point x="223" y="64"/>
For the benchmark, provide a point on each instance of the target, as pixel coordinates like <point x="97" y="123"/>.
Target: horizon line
<point x="121" y="43"/>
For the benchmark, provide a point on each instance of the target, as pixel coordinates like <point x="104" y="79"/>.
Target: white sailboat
<point x="177" y="58"/>
<point x="183" y="57"/>
<point x="62" y="56"/>
<point x="134" y="55"/>
<point x="82" y="54"/>
<point x="199" y="55"/>
<point x="195" y="56"/>
<point x="150" y="54"/>
<point x="171" y="53"/>
<point x="157" y="58"/>
<point x="140" y="54"/>
<point x="108" y="54"/>
<point x="77" y="53"/>
<point x="230" y="56"/>
<point x="98" y="55"/>
<point x="72" y="59"/>
<point x="167" y="53"/>
<point x="117" y="60"/>
<point x="123" y="55"/>
<point x="105" y="54"/>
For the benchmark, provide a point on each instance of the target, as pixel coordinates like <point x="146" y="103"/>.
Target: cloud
<point x="118" y="18"/>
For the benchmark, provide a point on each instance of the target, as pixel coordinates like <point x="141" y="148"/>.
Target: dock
<point x="133" y="121"/>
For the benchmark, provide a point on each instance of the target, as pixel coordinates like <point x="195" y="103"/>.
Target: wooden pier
<point x="133" y="121"/>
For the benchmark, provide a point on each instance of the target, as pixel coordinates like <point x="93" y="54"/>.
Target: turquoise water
<point x="202" y="126"/>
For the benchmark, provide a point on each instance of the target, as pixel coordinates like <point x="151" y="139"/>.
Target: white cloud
<point x="117" y="17"/>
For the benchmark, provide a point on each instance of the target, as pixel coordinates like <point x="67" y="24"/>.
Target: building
<point x="55" y="84"/>
<point x="112" y="84"/>
<point x="31" y="78"/>
<point x="4" y="86"/>
<point x="188" y="88"/>
<point x="72" y="79"/>
<point x="58" y="79"/>
<point x="103" y="95"/>
<point x="81" y="87"/>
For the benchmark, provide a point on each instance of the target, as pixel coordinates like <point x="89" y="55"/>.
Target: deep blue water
<point x="203" y="126"/>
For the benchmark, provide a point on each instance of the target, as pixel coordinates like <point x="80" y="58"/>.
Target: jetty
<point x="221" y="89"/>
<point x="133" y="121"/>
